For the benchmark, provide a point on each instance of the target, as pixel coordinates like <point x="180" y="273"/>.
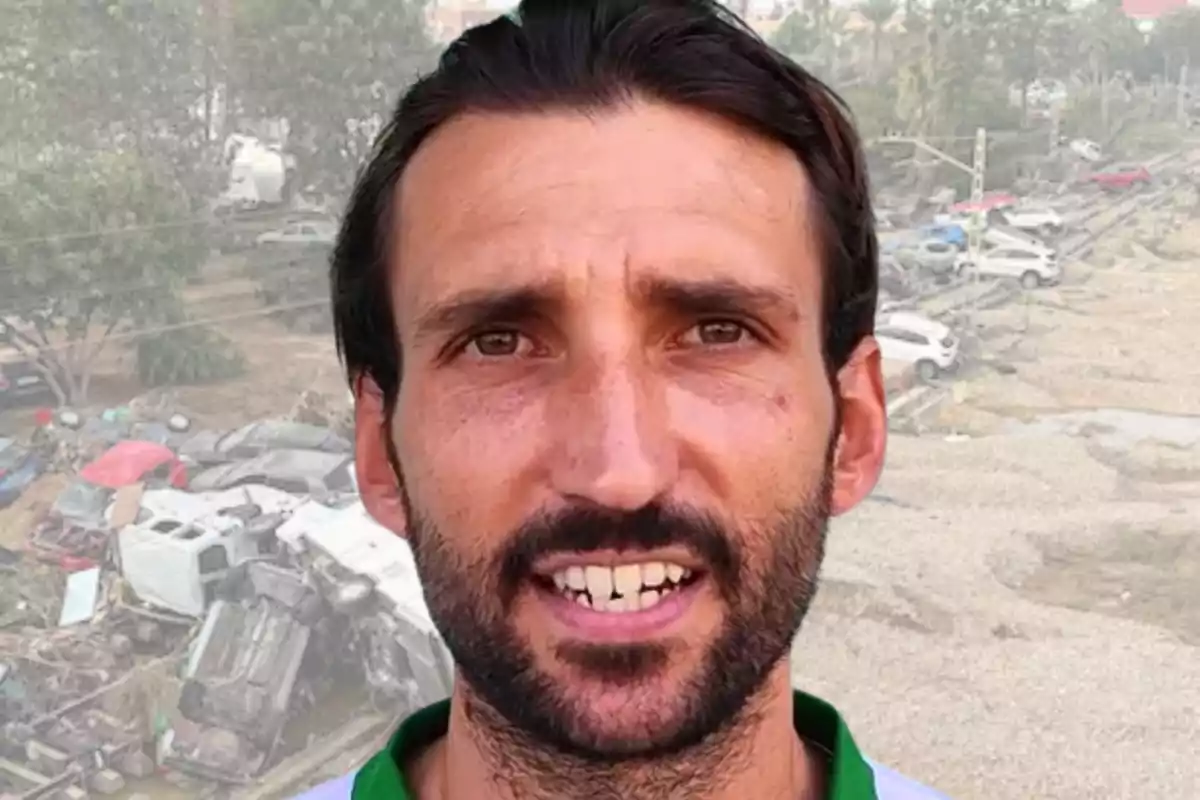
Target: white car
<point x="323" y="233"/>
<point x="1045" y="221"/>
<point x="913" y="339"/>
<point x="1003" y="236"/>
<point x="1086" y="149"/>
<point x="1033" y="268"/>
<point x="1046" y="92"/>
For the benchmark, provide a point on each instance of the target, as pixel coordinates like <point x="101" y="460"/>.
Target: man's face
<point x="616" y="433"/>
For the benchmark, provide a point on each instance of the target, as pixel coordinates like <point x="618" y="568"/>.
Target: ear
<point x="862" y="441"/>
<point x="377" y="480"/>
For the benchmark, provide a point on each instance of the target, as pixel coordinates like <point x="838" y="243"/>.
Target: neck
<point x="479" y="760"/>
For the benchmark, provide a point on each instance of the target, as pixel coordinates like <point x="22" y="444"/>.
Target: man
<point x="605" y="294"/>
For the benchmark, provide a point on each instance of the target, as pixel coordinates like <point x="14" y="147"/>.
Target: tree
<point x="878" y="13"/>
<point x="331" y="69"/>
<point x="121" y="75"/>
<point x="92" y="246"/>
<point x="797" y="36"/>
<point x="1176" y="38"/>
<point x="1027" y="39"/>
<point x="1108" y="42"/>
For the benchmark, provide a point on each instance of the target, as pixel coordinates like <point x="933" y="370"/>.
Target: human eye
<point x="499" y="343"/>
<point x="717" y="333"/>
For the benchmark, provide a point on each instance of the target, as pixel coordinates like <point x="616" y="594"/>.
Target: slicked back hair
<point x="592" y="55"/>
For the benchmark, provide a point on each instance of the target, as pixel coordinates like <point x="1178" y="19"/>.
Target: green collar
<point x="817" y="722"/>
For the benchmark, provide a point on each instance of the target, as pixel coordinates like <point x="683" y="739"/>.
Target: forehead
<point x="598" y="200"/>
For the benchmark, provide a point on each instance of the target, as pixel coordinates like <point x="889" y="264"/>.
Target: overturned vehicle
<point x="241" y="675"/>
<point x="338" y="611"/>
<point x="368" y="576"/>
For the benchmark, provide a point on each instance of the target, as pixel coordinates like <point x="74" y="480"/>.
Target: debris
<point x="107" y="781"/>
<point x="79" y="599"/>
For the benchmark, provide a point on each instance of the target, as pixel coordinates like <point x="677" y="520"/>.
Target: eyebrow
<point x="477" y="307"/>
<point x="717" y="296"/>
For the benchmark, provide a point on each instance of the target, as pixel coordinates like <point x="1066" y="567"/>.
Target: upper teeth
<point x="628" y="587"/>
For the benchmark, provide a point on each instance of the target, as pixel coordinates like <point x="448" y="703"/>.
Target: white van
<point x="177" y="552"/>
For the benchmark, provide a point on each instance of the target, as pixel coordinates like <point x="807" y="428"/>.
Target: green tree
<point x="797" y="36"/>
<point x="878" y="13"/>
<point x="331" y="69"/>
<point x="1107" y="42"/>
<point x="1176" y="38"/>
<point x="123" y="75"/>
<point x="92" y="247"/>
<point x="1027" y="39"/>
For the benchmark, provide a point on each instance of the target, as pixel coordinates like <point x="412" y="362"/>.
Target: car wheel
<point x="927" y="370"/>
<point x="1030" y="280"/>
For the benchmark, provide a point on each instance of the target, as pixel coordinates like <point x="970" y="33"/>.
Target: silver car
<point x="929" y="255"/>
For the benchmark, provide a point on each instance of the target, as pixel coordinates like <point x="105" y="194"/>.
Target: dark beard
<point x="766" y="598"/>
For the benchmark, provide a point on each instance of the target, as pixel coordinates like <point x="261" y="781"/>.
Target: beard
<point x="765" y="577"/>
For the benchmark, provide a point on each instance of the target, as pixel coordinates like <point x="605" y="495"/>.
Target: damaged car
<point x="242" y="671"/>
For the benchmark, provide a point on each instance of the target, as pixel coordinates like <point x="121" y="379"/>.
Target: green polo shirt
<point x="818" y="723"/>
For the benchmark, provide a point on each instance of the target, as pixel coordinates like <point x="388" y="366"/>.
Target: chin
<point x="624" y="723"/>
<point x="603" y="718"/>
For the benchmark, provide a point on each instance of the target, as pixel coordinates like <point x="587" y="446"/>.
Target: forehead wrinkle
<point x="461" y="226"/>
<point x="737" y="162"/>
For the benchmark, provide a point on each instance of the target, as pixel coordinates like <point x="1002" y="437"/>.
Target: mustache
<point x="586" y="529"/>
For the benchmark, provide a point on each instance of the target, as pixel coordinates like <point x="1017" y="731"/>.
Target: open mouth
<point x="619" y="589"/>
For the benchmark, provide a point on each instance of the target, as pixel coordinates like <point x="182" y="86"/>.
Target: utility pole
<point x="1181" y="94"/>
<point x="977" y="169"/>
<point x="975" y="234"/>
<point x="1104" y="105"/>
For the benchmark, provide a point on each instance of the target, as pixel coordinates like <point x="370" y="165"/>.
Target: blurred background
<point x="193" y="603"/>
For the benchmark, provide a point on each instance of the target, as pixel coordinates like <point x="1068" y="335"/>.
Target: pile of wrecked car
<point x="235" y="570"/>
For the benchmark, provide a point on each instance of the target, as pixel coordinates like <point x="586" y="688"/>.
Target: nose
<point x="614" y="440"/>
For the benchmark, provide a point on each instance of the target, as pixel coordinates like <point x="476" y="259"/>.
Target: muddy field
<point x="1016" y="613"/>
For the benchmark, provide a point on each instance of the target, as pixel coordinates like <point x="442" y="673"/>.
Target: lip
<point x="583" y="623"/>
<point x="682" y="556"/>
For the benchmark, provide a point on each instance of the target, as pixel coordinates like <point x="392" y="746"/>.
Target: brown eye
<point x="497" y="343"/>
<point x="500" y="344"/>
<point x="719" y="332"/>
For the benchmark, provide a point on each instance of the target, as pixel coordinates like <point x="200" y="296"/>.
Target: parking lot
<point x="1026" y="571"/>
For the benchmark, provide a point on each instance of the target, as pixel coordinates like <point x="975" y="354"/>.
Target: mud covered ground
<point x="1015" y="614"/>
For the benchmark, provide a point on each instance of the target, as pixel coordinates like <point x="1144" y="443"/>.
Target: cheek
<point x="762" y="444"/>
<point x="464" y="456"/>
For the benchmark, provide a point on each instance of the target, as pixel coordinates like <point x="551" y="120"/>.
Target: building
<point x="1146" y="12"/>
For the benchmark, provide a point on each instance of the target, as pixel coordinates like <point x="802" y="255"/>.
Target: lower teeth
<point x="639" y="602"/>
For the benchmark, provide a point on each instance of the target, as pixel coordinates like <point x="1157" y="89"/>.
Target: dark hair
<point x="588" y="54"/>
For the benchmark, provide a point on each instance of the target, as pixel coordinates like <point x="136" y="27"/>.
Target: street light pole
<point x="977" y="169"/>
<point x="1181" y="94"/>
